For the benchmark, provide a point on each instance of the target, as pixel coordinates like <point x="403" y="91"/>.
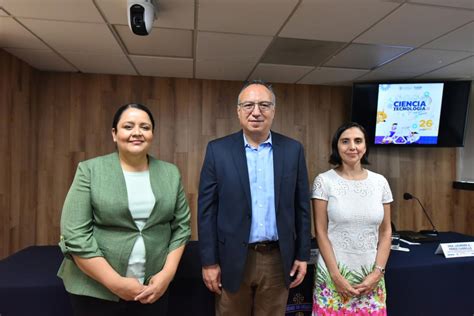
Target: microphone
<point x="431" y="232"/>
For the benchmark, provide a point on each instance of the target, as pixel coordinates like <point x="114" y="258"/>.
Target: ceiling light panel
<point x="291" y="51"/>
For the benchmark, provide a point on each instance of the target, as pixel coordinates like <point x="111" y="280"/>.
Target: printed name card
<point x="456" y="249"/>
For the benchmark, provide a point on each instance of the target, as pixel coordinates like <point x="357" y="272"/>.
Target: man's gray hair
<point x="259" y="82"/>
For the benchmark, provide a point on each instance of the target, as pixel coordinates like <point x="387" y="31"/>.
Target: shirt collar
<point x="268" y="141"/>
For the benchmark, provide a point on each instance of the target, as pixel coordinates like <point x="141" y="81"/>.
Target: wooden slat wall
<point x="71" y="121"/>
<point x="18" y="146"/>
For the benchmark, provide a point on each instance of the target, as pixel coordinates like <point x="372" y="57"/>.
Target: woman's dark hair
<point x="335" y="158"/>
<point x="120" y="110"/>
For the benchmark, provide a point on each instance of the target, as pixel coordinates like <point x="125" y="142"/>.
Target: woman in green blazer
<point x="124" y="225"/>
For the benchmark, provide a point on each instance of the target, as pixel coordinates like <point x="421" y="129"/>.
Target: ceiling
<point x="291" y="41"/>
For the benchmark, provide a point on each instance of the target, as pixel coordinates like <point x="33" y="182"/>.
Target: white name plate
<point x="456" y="249"/>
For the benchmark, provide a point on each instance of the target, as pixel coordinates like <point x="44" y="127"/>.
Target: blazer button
<point x="244" y="244"/>
<point x="249" y="217"/>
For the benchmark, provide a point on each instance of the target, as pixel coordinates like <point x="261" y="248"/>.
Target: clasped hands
<point x="345" y="289"/>
<point x="130" y="289"/>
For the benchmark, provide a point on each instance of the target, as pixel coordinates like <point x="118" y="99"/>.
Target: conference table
<point x="421" y="283"/>
<point x="418" y="283"/>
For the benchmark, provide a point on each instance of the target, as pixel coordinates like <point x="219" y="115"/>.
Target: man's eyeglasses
<point x="263" y="106"/>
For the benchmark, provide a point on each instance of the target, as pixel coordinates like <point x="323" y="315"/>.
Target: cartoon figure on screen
<point x="351" y="208"/>
<point x="381" y="117"/>
<point x="413" y="137"/>
<point x="390" y="137"/>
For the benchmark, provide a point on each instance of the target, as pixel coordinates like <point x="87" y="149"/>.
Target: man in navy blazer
<point x="253" y="212"/>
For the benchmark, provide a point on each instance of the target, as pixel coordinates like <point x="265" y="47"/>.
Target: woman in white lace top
<point x="351" y="208"/>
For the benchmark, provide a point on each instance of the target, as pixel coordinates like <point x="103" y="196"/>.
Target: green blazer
<point x="96" y="221"/>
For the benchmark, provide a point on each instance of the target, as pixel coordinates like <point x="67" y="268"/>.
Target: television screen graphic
<point x="408" y="113"/>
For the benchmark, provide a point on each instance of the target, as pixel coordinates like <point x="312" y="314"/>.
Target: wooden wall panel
<point x="17" y="154"/>
<point x="462" y="211"/>
<point x="69" y="119"/>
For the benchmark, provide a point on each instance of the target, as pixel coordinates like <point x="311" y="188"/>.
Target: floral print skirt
<point x="328" y="302"/>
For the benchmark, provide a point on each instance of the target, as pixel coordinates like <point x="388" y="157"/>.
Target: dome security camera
<point x="141" y="14"/>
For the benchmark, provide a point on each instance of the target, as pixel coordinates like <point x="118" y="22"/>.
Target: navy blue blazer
<point x="225" y="211"/>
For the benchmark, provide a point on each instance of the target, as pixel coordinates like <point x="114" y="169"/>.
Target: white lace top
<point x="355" y="212"/>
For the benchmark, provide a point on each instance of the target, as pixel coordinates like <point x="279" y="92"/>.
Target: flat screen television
<point x="405" y="114"/>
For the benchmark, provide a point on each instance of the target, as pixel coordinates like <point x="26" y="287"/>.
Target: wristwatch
<point x="381" y="269"/>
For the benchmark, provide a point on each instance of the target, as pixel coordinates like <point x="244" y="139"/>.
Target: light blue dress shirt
<point x="260" y="168"/>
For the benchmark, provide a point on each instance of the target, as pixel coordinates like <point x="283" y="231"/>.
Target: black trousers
<point x="91" y="306"/>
